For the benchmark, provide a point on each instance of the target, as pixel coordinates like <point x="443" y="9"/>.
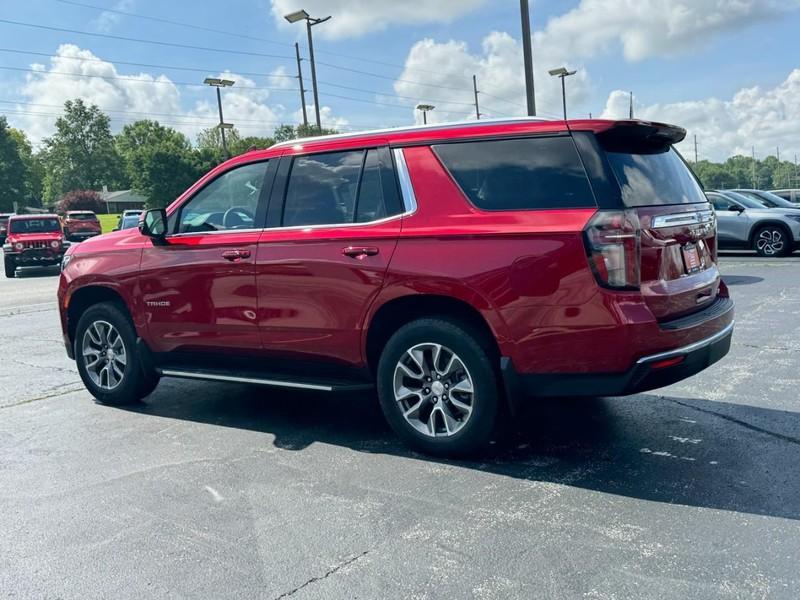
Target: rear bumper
<point x="649" y="372"/>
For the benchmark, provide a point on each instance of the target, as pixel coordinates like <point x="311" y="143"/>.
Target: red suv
<point x="32" y="241"/>
<point x="456" y="268"/>
<point x="81" y="224"/>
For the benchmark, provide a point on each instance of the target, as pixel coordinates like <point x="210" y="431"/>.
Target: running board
<point x="317" y="385"/>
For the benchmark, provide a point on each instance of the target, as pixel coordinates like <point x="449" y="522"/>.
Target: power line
<point x="142" y="41"/>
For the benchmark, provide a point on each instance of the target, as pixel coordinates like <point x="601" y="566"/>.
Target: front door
<point x="198" y="287"/>
<point x="333" y="226"/>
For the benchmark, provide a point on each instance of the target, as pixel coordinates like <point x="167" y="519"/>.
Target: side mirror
<point x="734" y="208"/>
<point x="154" y="223"/>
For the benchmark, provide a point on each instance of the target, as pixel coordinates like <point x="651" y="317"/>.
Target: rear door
<point x="333" y="224"/>
<point x="678" y="267"/>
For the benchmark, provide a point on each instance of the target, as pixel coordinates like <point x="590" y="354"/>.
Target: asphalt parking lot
<point x="224" y="491"/>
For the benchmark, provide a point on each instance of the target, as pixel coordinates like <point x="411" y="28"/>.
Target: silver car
<point x="744" y="222"/>
<point x="767" y="198"/>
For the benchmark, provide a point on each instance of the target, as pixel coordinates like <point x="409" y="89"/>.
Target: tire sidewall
<point x="476" y="433"/>
<point x="133" y="381"/>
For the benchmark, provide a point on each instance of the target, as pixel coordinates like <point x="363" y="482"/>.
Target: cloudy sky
<point x="726" y="70"/>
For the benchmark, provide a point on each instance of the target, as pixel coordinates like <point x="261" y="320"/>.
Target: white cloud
<point x="353" y="18"/>
<point x="764" y="118"/>
<point x="108" y="20"/>
<point x="646" y="28"/>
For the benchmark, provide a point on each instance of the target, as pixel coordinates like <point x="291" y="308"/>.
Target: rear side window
<point x="656" y="177"/>
<point x="336" y="188"/>
<point x="520" y="174"/>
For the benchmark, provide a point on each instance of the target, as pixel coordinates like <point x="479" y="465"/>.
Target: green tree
<point x="211" y="140"/>
<point x="34" y="173"/>
<point x="12" y="169"/>
<point x="158" y="160"/>
<point x="284" y="133"/>
<point x="81" y="154"/>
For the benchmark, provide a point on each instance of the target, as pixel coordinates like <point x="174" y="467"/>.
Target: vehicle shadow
<point x="658" y="448"/>
<point x="741" y="279"/>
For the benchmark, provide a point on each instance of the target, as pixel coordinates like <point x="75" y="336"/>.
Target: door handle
<point x="359" y="251"/>
<point x="233" y="255"/>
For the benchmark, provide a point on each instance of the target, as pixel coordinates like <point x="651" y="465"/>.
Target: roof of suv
<point x="32" y="216"/>
<point x="466" y="129"/>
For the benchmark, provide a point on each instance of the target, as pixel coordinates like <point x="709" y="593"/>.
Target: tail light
<point x="613" y="245"/>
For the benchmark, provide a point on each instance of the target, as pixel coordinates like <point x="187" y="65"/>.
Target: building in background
<point x="121" y="200"/>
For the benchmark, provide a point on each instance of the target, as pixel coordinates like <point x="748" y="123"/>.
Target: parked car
<point x="33" y="241"/>
<point x="768" y="199"/>
<point x="80" y="225"/>
<point x="792" y="195"/>
<point x="128" y="221"/>
<point x="4" y="226"/>
<point x="743" y="222"/>
<point x="456" y="268"/>
<point x="129" y="215"/>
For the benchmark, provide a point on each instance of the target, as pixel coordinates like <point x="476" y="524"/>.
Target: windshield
<point x="45" y="225"/>
<point x="659" y="177"/>
<point x="745" y="201"/>
<point x="767" y="198"/>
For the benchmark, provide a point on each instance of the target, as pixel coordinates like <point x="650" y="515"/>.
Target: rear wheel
<point x="10" y="267"/>
<point x="438" y="387"/>
<point x="771" y="240"/>
<point x="108" y="361"/>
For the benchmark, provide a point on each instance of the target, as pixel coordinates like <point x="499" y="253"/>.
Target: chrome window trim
<point x="406" y="187"/>
<point x="215" y="232"/>
<point x="699" y="217"/>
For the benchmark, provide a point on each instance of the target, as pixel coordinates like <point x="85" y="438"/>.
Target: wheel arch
<point x="758" y="226"/>
<point x="87" y="296"/>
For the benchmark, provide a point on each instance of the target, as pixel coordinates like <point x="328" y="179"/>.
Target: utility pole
<point x="300" y="79"/>
<point x="695" y="148"/>
<point x="475" y="91"/>
<point x="630" y="106"/>
<point x="755" y="183"/>
<point x="778" y="152"/>
<point x="527" y="54"/>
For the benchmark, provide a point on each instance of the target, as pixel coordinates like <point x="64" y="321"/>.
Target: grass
<point x="108" y="222"/>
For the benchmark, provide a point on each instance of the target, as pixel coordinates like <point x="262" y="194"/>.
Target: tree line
<point x="159" y="162"/>
<point x="156" y="161"/>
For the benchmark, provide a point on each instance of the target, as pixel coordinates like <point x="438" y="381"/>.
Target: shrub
<point x="81" y="200"/>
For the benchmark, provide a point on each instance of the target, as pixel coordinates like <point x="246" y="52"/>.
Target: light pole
<point x="563" y="74"/>
<point x="527" y="55"/>
<point x="425" y="108"/>
<point x="221" y="83"/>
<point x="301" y="15"/>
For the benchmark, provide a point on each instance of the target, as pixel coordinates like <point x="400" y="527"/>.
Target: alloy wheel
<point x="104" y="355"/>
<point x="770" y="241"/>
<point x="434" y="390"/>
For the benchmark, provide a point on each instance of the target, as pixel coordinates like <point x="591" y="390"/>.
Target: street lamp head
<point x="561" y="72"/>
<point x="296" y="16"/>
<point x="425" y="107"/>
<point x="217" y="82"/>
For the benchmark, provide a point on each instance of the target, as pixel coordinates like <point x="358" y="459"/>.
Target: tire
<point x="772" y="240"/>
<point x="466" y="432"/>
<point x="10" y="267"/>
<point x="136" y="380"/>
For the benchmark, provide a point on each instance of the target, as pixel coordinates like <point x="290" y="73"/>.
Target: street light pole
<point x="425" y="108"/>
<point x="301" y="15"/>
<point x="300" y="79"/>
<point x="563" y="74"/>
<point x="527" y="54"/>
<point x="220" y="83"/>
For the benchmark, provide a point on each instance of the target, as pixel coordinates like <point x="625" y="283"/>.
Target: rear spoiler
<point x="633" y="135"/>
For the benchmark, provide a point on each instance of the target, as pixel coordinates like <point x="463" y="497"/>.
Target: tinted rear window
<point x="659" y="177"/>
<point x="519" y="174"/>
<point x="82" y="216"/>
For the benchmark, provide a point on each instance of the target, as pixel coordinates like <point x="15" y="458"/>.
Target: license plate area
<point x="692" y="262"/>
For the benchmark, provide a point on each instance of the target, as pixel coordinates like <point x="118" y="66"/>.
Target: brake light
<point x="613" y="245"/>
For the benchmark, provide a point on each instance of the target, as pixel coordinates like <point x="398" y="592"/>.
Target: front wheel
<point x="438" y="387"/>
<point x="10" y="267"/>
<point x="107" y="359"/>
<point x="771" y="240"/>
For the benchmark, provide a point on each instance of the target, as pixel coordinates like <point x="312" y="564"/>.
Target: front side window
<point x="335" y="188"/>
<point x="520" y="174"/>
<point x="229" y="202"/>
<point x="720" y="203"/>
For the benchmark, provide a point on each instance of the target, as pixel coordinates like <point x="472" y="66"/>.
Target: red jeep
<point x="81" y="224"/>
<point x="452" y="267"/>
<point x="33" y="241"/>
